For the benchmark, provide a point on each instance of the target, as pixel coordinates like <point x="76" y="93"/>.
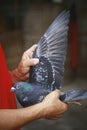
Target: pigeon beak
<point x="12" y="89"/>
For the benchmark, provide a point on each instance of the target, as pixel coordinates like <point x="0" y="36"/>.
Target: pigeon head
<point x="21" y="86"/>
<point x="22" y="89"/>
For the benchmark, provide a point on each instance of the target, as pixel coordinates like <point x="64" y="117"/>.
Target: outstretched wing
<point x="74" y="95"/>
<point x="53" y="45"/>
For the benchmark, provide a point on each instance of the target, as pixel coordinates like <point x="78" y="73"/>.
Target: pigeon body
<point x="48" y="74"/>
<point x="30" y="94"/>
<point x="42" y="74"/>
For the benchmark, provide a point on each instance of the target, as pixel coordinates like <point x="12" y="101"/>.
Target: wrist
<point x="35" y="112"/>
<point x="43" y="110"/>
<point x="15" y="76"/>
<point x="40" y="110"/>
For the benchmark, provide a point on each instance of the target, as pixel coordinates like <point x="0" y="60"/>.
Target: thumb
<point x="57" y="92"/>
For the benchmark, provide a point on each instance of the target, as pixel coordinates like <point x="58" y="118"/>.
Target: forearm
<point x="19" y="117"/>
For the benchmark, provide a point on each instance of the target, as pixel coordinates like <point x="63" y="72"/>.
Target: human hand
<point x="21" y="73"/>
<point x="27" y="61"/>
<point x="53" y="107"/>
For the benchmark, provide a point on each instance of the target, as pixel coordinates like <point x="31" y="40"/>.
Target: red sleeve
<point x="7" y="98"/>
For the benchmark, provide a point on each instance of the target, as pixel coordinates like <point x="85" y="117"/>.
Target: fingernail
<point x="36" y="60"/>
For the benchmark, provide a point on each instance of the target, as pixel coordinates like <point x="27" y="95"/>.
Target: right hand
<point x="21" y="73"/>
<point x="53" y="107"/>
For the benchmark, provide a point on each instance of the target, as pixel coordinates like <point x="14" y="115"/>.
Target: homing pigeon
<point x="48" y="74"/>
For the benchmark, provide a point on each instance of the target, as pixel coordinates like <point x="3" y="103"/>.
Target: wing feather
<point x="53" y="45"/>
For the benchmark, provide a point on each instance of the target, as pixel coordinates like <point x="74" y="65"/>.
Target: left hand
<point x="21" y="73"/>
<point x="53" y="107"/>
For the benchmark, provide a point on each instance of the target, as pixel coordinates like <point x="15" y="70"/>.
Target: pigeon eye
<point x="17" y="86"/>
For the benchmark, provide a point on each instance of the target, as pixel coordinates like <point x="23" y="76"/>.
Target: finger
<point x="27" y="75"/>
<point x="64" y="107"/>
<point x="56" y="93"/>
<point x="31" y="49"/>
<point x="31" y="62"/>
<point x="29" y="52"/>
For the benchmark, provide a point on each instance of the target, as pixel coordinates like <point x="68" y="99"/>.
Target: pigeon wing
<point x="74" y="95"/>
<point x="53" y="45"/>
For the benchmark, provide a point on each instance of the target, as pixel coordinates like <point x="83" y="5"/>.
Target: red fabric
<point x="7" y="99"/>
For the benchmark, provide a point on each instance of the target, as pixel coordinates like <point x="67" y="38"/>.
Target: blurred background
<point x="23" y="22"/>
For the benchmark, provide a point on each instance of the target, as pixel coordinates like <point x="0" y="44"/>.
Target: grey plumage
<point x="52" y="50"/>
<point x="48" y="74"/>
<point x="72" y="95"/>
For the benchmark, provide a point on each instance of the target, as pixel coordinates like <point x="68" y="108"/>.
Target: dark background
<point x="23" y="22"/>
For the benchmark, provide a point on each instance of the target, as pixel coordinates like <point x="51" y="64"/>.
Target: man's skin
<point x="50" y="108"/>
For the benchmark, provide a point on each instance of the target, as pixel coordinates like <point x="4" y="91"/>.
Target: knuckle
<point x="57" y="92"/>
<point x="22" y="64"/>
<point x="24" y="53"/>
<point x="64" y="107"/>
